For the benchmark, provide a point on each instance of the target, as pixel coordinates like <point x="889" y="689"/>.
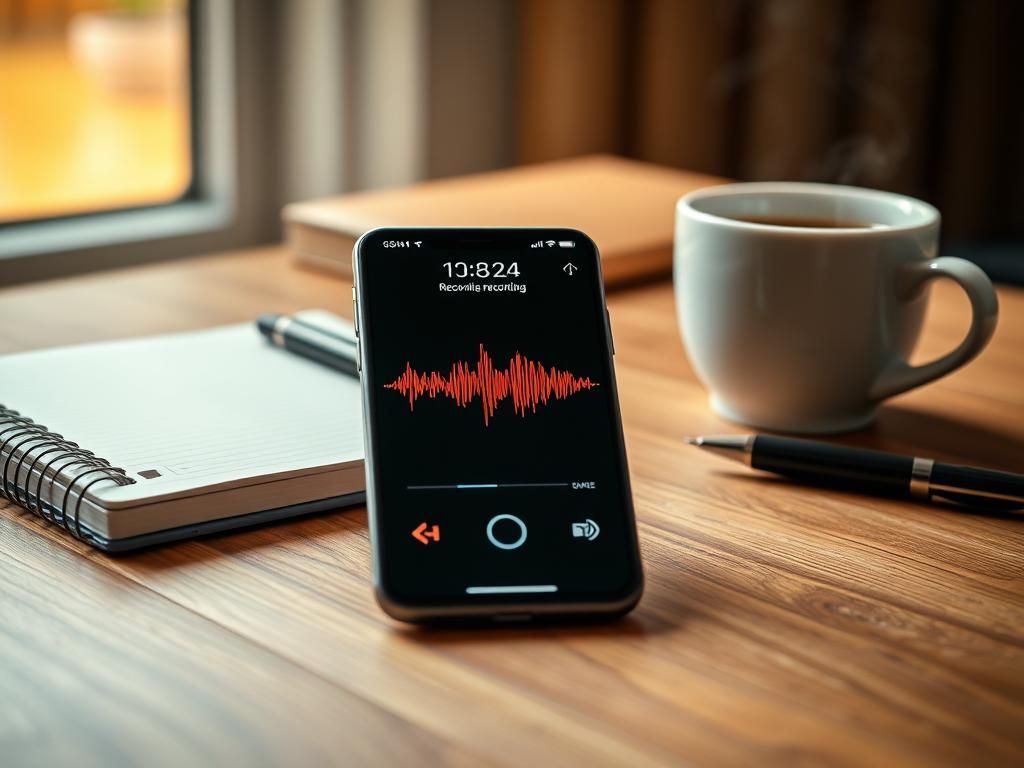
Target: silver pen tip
<point x="735" y="447"/>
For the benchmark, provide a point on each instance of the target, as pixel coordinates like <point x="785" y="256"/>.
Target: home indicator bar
<point x="512" y="590"/>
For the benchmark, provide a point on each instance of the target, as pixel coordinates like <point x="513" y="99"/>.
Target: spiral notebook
<point x="137" y="442"/>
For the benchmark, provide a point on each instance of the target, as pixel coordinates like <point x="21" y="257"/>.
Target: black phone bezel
<point x="499" y="607"/>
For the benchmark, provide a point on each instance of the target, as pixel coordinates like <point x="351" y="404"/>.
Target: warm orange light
<point x="94" y="116"/>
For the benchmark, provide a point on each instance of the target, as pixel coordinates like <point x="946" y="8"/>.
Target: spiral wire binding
<point x="52" y="455"/>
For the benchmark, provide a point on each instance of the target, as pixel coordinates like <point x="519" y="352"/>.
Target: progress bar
<point x="511" y="590"/>
<point x="478" y="486"/>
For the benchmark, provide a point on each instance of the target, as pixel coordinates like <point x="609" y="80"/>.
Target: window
<point x="95" y="114"/>
<point x="117" y="165"/>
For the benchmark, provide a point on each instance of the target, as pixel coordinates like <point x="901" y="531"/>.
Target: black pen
<point x="310" y="340"/>
<point x="875" y="472"/>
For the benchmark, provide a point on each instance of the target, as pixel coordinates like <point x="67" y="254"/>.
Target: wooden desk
<point x="780" y="625"/>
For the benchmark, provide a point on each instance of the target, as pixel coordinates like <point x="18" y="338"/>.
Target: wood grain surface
<point x="781" y="625"/>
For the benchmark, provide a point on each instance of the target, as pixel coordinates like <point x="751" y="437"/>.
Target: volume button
<point x="359" y="357"/>
<point x="611" y="339"/>
<point x="355" y="311"/>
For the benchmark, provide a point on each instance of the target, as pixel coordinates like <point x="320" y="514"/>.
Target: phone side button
<point x="611" y="339"/>
<point x="355" y="312"/>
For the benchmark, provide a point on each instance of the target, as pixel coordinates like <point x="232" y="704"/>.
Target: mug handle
<point x="902" y="376"/>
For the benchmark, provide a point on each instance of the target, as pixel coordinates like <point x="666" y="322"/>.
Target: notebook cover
<point x="199" y="428"/>
<point x="626" y="206"/>
<point x="212" y="527"/>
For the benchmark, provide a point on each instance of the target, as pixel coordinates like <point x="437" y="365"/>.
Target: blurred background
<point x="133" y="130"/>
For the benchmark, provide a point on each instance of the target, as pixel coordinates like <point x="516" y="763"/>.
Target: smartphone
<point x="497" y="484"/>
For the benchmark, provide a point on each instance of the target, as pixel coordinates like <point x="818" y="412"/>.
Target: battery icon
<point x="566" y="244"/>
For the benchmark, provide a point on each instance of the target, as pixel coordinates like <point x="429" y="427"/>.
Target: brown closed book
<point x="627" y="207"/>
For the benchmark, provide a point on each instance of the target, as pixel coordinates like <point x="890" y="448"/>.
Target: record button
<point x="506" y="532"/>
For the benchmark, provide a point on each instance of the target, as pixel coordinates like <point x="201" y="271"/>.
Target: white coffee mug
<point x="800" y="328"/>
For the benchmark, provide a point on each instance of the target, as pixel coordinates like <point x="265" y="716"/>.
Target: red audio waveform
<point x="528" y="383"/>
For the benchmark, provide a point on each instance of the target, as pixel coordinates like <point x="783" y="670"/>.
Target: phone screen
<point x="497" y="468"/>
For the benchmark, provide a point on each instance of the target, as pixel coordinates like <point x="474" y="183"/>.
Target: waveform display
<point x="528" y="384"/>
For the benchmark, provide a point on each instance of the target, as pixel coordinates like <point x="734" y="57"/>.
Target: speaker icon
<point x="588" y="530"/>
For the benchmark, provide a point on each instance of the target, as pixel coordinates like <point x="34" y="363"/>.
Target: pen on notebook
<point x="876" y="472"/>
<point x="314" y="341"/>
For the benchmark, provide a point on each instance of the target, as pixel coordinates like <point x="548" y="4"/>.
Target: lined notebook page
<point x="210" y="409"/>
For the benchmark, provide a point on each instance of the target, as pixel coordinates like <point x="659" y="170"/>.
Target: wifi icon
<point x="551" y="243"/>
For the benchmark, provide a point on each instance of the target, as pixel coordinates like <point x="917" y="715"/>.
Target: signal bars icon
<point x="542" y="243"/>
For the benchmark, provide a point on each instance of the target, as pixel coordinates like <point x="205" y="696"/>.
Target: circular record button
<point x="502" y="540"/>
